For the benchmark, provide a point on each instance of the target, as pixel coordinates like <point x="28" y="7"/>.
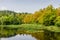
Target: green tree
<point x="57" y="21"/>
<point x="49" y="16"/>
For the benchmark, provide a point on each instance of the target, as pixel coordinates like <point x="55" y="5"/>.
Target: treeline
<point x="47" y="16"/>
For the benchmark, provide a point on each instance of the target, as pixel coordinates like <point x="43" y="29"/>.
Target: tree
<point x="49" y="16"/>
<point x="57" y="21"/>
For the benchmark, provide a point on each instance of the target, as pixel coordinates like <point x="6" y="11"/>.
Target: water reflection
<point x="38" y="36"/>
<point x="20" y="37"/>
<point x="27" y="36"/>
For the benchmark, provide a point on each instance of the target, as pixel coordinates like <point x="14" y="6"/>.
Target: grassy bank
<point x="29" y="27"/>
<point x="11" y="30"/>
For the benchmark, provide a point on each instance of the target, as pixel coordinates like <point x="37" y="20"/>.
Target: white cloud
<point x="17" y="11"/>
<point x="3" y="8"/>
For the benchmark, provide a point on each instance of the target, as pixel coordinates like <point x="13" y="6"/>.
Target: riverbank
<point x="12" y="30"/>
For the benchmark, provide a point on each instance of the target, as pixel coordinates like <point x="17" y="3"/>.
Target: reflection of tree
<point x="38" y="36"/>
<point x="50" y="35"/>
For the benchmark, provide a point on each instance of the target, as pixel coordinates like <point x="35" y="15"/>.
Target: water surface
<point x="20" y="37"/>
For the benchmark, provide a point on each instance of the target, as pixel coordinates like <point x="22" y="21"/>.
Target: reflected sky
<point x="20" y="37"/>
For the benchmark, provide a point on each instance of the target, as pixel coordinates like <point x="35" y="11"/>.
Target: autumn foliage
<point x="46" y="16"/>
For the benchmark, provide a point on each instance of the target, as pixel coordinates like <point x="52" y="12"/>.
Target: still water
<point x="32" y="36"/>
<point x="20" y="37"/>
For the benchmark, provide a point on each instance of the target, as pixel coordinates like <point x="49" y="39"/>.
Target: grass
<point x="30" y="27"/>
<point x="7" y="30"/>
<point x="10" y="30"/>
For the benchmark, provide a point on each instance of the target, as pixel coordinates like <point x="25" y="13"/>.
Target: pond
<point x="32" y="36"/>
<point x="20" y="37"/>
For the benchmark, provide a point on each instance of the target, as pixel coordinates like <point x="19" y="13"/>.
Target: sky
<point x="27" y="5"/>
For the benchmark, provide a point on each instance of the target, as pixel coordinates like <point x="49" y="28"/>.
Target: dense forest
<point x="47" y="16"/>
